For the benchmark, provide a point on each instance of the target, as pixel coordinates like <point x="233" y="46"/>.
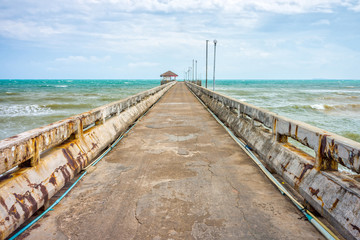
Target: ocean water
<point x="28" y="104"/>
<point x="333" y="105"/>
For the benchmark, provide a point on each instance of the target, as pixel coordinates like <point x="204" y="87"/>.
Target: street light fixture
<point x="215" y="42"/>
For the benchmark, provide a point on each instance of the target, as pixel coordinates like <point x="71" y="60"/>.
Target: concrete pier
<point x="176" y="175"/>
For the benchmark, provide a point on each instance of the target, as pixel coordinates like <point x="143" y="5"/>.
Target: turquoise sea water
<point x="28" y="104"/>
<point x="333" y="105"/>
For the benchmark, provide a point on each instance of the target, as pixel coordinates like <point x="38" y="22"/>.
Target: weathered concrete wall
<point x="54" y="154"/>
<point x="196" y="82"/>
<point x="333" y="194"/>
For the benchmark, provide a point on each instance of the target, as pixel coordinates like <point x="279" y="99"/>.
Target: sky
<point x="140" y="39"/>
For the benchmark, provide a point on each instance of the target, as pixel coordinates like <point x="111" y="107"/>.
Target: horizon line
<point x="181" y="79"/>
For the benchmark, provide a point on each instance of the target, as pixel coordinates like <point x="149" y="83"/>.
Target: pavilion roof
<point x="169" y="74"/>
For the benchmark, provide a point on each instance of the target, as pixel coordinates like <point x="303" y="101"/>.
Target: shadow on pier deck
<point x="176" y="175"/>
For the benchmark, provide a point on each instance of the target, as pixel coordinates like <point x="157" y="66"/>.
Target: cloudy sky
<point x="121" y="39"/>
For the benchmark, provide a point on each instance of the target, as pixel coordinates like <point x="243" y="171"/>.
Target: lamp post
<point x="196" y="70"/>
<point x="215" y="42"/>
<point x="193" y="71"/>
<point x="207" y="43"/>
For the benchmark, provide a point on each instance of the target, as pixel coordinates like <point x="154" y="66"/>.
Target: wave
<point x="319" y="107"/>
<point x="344" y="107"/>
<point x="337" y="91"/>
<point x="89" y="94"/>
<point x="351" y="135"/>
<point x="24" y="110"/>
<point x="11" y="93"/>
<point x="59" y="106"/>
<point x="61" y="86"/>
<point x="340" y="98"/>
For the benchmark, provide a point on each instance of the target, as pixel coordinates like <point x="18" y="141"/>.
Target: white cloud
<point x="253" y="52"/>
<point x="356" y="8"/>
<point x="294" y="6"/>
<point x="25" y="30"/>
<point x="145" y="19"/>
<point x="143" y="64"/>
<point x="72" y="59"/>
<point x="229" y="6"/>
<point x="321" y="22"/>
<point x="152" y="33"/>
<point x="106" y="7"/>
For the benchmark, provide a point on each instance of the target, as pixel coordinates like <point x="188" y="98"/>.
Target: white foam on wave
<point x="318" y="106"/>
<point x="341" y="107"/>
<point x="24" y="110"/>
<point x="61" y="86"/>
<point x="11" y="93"/>
<point x="339" y="91"/>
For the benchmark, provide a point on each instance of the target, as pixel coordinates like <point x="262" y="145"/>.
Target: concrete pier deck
<point x="176" y="175"/>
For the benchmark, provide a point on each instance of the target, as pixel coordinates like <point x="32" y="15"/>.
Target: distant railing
<point x="162" y="82"/>
<point x="196" y="82"/>
<point x="25" y="148"/>
<point x="329" y="148"/>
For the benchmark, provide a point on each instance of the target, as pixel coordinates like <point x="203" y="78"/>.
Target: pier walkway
<point x="176" y="175"/>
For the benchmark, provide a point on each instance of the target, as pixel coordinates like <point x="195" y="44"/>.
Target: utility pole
<point x="193" y="71"/>
<point x="207" y="43"/>
<point x="214" y="64"/>
<point x="196" y="78"/>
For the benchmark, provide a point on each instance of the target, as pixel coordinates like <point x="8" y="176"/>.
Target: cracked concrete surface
<point x="177" y="175"/>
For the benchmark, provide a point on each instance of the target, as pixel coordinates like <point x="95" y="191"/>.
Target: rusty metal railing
<point x="27" y="147"/>
<point x="330" y="149"/>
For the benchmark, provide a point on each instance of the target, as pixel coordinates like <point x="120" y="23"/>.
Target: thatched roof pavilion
<point x="168" y="75"/>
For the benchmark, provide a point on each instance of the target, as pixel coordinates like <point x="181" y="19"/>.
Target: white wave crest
<point x="24" y="110"/>
<point x="318" y="106"/>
